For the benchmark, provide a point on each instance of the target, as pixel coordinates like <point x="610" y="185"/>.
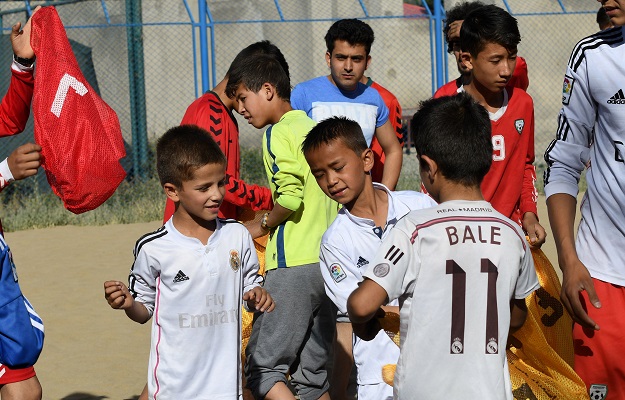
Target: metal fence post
<point x="136" y="83"/>
<point x="438" y="43"/>
<point x="205" y="24"/>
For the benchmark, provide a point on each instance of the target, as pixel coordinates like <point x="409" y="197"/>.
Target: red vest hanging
<point x="79" y="133"/>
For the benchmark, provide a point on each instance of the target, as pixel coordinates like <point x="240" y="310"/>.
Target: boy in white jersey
<point x="591" y="133"/>
<point x="461" y="270"/>
<point x="192" y="275"/>
<point x="341" y="162"/>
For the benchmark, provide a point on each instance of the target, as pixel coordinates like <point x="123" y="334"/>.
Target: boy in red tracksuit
<point x="213" y="112"/>
<point x="509" y="184"/>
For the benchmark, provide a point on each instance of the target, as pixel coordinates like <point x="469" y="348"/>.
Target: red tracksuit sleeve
<point x="529" y="195"/>
<point x="246" y="195"/>
<point x="15" y="106"/>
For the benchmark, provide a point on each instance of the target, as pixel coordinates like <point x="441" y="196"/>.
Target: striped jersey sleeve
<point x="144" y="273"/>
<point x="585" y="95"/>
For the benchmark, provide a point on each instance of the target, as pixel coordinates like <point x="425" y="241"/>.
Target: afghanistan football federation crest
<point x="235" y="261"/>
<point x="518" y="125"/>
<point x="598" y="392"/>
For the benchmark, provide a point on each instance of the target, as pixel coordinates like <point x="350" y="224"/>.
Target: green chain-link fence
<point x="150" y="59"/>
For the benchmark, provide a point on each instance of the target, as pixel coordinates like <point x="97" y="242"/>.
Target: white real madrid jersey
<point x="195" y="294"/>
<point x="455" y="269"/>
<point x="591" y="134"/>
<point x="347" y="248"/>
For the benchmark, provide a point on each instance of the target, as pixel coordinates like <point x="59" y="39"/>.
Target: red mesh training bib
<point x="78" y="132"/>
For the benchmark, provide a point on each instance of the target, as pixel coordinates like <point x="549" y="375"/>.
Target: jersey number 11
<point x="458" y="305"/>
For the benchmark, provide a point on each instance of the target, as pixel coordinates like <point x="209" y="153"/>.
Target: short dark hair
<point x="182" y="150"/>
<point x="262" y="47"/>
<point x="257" y="70"/>
<point x="458" y="13"/>
<point x="454" y="131"/>
<point x="602" y="19"/>
<point x="353" y="31"/>
<point x="335" y="128"/>
<point x="489" y="24"/>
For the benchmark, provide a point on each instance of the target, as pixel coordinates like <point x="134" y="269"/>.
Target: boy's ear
<point x="268" y="91"/>
<point x="467" y="60"/>
<point x="328" y="58"/>
<point x="367" y="159"/>
<point x="171" y="191"/>
<point x="368" y="62"/>
<point x="430" y="167"/>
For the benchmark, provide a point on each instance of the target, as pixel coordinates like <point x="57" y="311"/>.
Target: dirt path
<point x="91" y="351"/>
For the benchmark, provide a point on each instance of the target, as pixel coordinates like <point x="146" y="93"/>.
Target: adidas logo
<point x="361" y="262"/>
<point x="618" y="98"/>
<point x="180" y="276"/>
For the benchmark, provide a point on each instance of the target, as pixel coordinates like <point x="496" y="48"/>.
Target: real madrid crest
<point x="457" y="347"/>
<point x="235" y="261"/>
<point x="492" y="347"/>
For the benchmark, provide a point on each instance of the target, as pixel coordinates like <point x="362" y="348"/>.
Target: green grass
<point x="25" y="206"/>
<point x="139" y="201"/>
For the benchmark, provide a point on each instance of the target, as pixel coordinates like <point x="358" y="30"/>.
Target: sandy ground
<point x="91" y="351"/>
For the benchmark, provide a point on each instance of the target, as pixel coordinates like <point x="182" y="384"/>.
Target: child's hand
<point x="117" y="295"/>
<point x="534" y="230"/>
<point x="256" y="230"/>
<point x="24" y="161"/>
<point x="258" y="299"/>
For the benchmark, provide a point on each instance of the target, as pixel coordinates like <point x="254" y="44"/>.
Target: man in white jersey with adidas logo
<point x="461" y="270"/>
<point x="591" y="134"/>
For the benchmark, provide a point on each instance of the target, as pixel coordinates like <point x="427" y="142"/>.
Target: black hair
<point x="489" y="24"/>
<point x="602" y="19"/>
<point x="182" y="150"/>
<point x="454" y="131"/>
<point x="458" y="13"/>
<point x="255" y="71"/>
<point x="335" y="128"/>
<point x="353" y="31"/>
<point x="262" y="47"/>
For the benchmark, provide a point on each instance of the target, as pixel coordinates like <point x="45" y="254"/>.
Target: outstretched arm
<point x="15" y="106"/>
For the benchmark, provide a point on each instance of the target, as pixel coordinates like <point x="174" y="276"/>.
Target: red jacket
<point x="509" y="184"/>
<point x="15" y="106"/>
